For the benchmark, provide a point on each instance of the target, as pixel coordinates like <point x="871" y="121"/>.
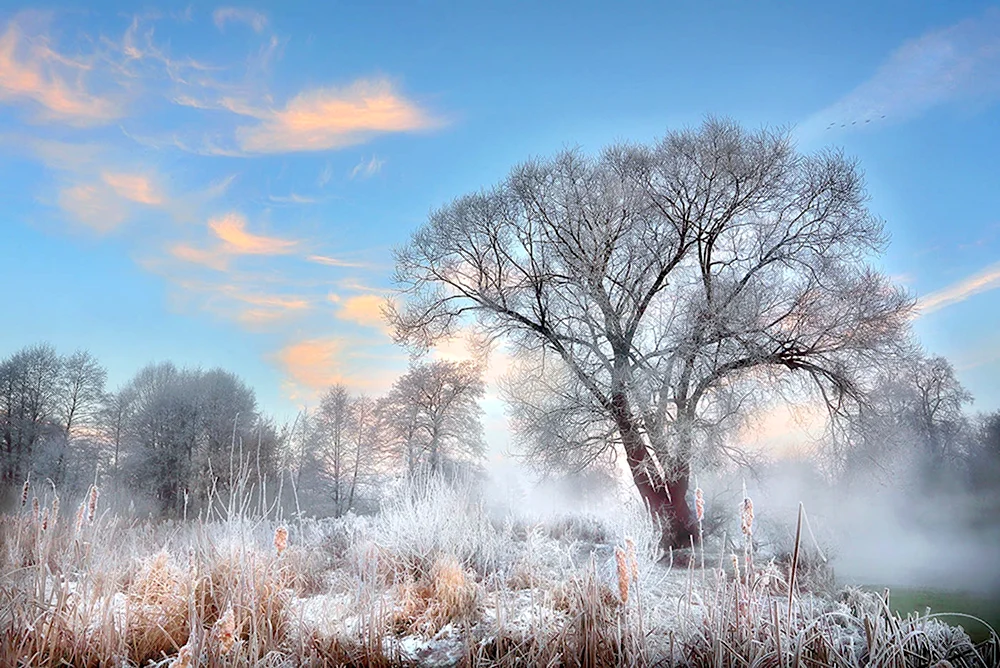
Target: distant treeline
<point x="174" y="441"/>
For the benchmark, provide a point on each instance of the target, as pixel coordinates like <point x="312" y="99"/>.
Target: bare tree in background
<point x="343" y="451"/>
<point x="113" y="419"/>
<point x="668" y="285"/>
<point x="436" y="415"/>
<point x="29" y="390"/>
<point x="333" y="447"/>
<point x="81" y="390"/>
<point x="914" y="419"/>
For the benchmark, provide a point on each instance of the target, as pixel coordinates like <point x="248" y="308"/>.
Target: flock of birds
<point x="844" y="125"/>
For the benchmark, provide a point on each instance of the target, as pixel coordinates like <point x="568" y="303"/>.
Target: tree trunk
<point x="666" y="499"/>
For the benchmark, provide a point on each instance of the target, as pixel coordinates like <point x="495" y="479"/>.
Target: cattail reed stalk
<point x="224" y="631"/>
<point x="183" y="658"/>
<point x="55" y="510"/>
<point x="621" y="561"/>
<point x="633" y="561"/>
<point x="92" y="504"/>
<point x="45" y="519"/>
<point x="24" y="491"/>
<point x="34" y="508"/>
<point x="280" y="539"/>
<point x="746" y="517"/>
<point x="795" y="564"/>
<point x="746" y="525"/>
<point x="699" y="509"/>
<point x="80" y="513"/>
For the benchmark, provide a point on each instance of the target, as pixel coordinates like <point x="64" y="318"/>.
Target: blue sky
<point x="222" y="185"/>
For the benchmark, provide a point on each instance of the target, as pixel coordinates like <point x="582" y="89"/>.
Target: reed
<point x="434" y="580"/>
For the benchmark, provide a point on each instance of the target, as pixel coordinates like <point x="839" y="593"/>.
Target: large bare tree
<point x="663" y="286"/>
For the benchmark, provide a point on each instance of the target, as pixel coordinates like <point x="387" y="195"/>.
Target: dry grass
<point x="433" y="580"/>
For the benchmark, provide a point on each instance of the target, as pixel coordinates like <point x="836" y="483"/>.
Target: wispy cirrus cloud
<point x="292" y="198"/>
<point x="982" y="281"/>
<point x="961" y="61"/>
<point x="251" y="17"/>
<point x="134" y="187"/>
<point x="255" y="305"/>
<point x="108" y="203"/>
<point x="206" y="257"/>
<point x="231" y="230"/>
<point x="261" y="309"/>
<point x="31" y="70"/>
<point x="94" y="205"/>
<point x="337" y="262"/>
<point x="332" y="118"/>
<point x="367" y="168"/>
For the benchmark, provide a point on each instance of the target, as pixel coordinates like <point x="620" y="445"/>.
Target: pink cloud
<point x="364" y="310"/>
<point x="982" y="281"/>
<point x="195" y="255"/>
<point x="312" y="365"/>
<point x="31" y="70"/>
<point x="335" y="262"/>
<point x="231" y="230"/>
<point x="133" y="187"/>
<point x="331" y="118"/>
<point x="94" y="206"/>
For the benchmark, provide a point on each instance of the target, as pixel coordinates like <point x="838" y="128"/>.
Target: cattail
<point x="78" y="522"/>
<point x="224" y="631"/>
<point x="280" y="539"/>
<point x="621" y="563"/>
<point x="34" y="508"/>
<point x="193" y="563"/>
<point x="183" y="658"/>
<point x="55" y="510"/>
<point x="45" y="519"/>
<point x="699" y="503"/>
<point x="92" y="504"/>
<point x="746" y="517"/>
<point x="24" y="491"/>
<point x="633" y="561"/>
<point x="736" y="565"/>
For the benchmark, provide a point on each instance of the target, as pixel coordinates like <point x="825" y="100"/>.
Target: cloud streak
<point x="31" y="70"/>
<point x="332" y="118"/>
<point x="200" y="256"/>
<point x="941" y="66"/>
<point x="230" y="229"/>
<point x="367" y="168"/>
<point x="983" y="281"/>
<point x="336" y="262"/>
<point x="133" y="187"/>
<point x="95" y="206"/>
<point x="251" y="17"/>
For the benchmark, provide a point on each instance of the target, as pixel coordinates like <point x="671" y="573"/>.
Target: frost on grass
<point x="433" y="580"/>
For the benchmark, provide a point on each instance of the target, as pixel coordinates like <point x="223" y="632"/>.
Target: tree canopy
<point x="658" y="291"/>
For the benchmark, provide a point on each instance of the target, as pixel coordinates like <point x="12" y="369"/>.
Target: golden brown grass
<point x="253" y="592"/>
<point x="447" y="594"/>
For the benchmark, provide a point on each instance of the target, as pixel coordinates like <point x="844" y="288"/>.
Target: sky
<point x="223" y="185"/>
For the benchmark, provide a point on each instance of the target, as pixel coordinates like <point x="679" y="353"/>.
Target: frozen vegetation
<point x="437" y="578"/>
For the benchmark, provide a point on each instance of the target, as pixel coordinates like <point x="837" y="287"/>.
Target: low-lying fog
<point x="887" y="530"/>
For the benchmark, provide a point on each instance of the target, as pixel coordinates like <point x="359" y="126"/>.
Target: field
<point x="435" y="579"/>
